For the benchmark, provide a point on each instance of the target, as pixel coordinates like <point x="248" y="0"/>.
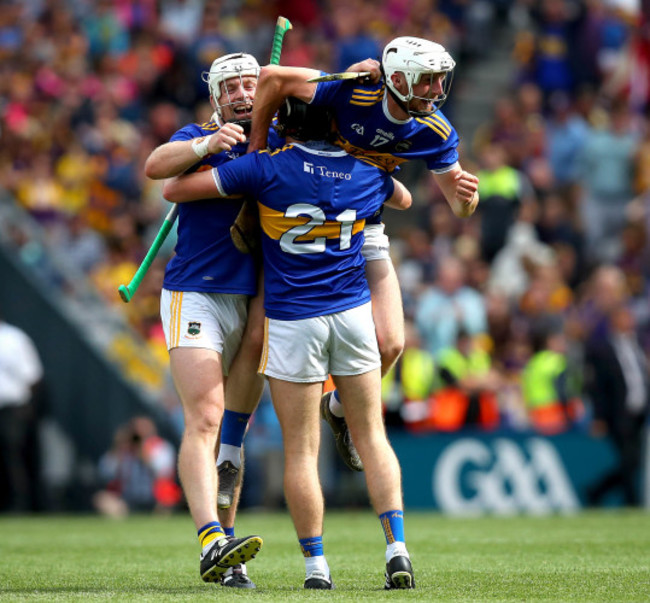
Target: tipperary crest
<point x="194" y="328"/>
<point x="402" y="146"/>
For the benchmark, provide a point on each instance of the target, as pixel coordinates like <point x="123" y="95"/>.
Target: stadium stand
<point x="552" y="88"/>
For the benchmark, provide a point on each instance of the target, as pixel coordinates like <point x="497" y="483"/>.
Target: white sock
<point x="228" y="452"/>
<point x="318" y="563"/>
<point x="207" y="547"/>
<point x="336" y="407"/>
<point x="396" y="548"/>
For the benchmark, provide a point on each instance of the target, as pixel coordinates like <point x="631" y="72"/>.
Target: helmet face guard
<point x="416" y="58"/>
<point x="238" y="65"/>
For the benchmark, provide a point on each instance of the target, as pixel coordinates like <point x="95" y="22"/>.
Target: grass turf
<point x="595" y="556"/>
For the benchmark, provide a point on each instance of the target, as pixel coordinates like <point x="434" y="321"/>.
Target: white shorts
<point x="308" y="350"/>
<point x="376" y="245"/>
<point x="214" y="321"/>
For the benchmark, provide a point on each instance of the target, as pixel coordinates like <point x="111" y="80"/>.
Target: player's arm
<point x="191" y="187"/>
<point x="176" y="157"/>
<point x="401" y="197"/>
<point x="460" y="189"/>
<point x="274" y="84"/>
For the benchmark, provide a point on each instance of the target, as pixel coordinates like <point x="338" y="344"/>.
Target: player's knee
<point x="253" y="340"/>
<point x="390" y="350"/>
<point x="205" y="420"/>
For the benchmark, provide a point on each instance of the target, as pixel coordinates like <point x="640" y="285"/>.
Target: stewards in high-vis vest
<point x="407" y="386"/>
<point x="546" y="388"/>
<point x="464" y="390"/>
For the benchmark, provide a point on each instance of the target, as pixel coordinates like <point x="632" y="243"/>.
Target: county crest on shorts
<point x="194" y="328"/>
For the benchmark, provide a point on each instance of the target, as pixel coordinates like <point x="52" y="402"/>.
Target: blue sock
<point x="230" y="531"/>
<point x="233" y="427"/>
<point x="393" y="524"/>
<point x="311" y="547"/>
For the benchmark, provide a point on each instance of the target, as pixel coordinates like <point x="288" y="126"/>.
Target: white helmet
<point x="415" y="57"/>
<point x="227" y="67"/>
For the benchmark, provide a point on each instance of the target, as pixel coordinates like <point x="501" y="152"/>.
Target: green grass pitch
<point x="594" y="556"/>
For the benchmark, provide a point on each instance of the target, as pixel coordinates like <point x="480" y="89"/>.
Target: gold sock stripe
<point x="210" y="535"/>
<point x="385" y="522"/>
<point x="305" y="553"/>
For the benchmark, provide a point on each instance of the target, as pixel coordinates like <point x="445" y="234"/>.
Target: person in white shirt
<point x="20" y="372"/>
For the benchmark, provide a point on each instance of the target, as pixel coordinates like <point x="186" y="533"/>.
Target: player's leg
<point x="243" y="392"/>
<point x="361" y="395"/>
<point x="201" y="394"/>
<point x="296" y="405"/>
<point x="355" y="367"/>
<point x="387" y="311"/>
<point x="388" y="315"/>
<point x="196" y="341"/>
<point x="295" y="358"/>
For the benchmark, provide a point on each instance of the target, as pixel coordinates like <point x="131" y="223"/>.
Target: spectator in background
<point x="20" y="374"/>
<point x="620" y="393"/>
<point x="138" y="473"/>
<point x="83" y="247"/>
<point x="552" y="404"/>
<point x="406" y="388"/>
<point x="468" y="386"/>
<point x="549" y="62"/>
<point x="606" y="179"/>
<point x="566" y="132"/>
<point x="511" y="269"/>
<point x="503" y="189"/>
<point x="447" y="307"/>
<point x="353" y="42"/>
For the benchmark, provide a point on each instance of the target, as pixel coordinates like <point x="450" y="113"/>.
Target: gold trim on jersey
<point x="366" y="98"/>
<point x="383" y="161"/>
<point x="275" y="224"/>
<point x="210" y="125"/>
<point x="437" y="124"/>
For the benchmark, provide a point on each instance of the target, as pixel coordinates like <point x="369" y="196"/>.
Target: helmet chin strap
<point x="403" y="104"/>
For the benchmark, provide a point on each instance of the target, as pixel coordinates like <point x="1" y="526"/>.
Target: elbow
<point x="151" y="170"/>
<point x="267" y="77"/>
<point x="170" y="191"/>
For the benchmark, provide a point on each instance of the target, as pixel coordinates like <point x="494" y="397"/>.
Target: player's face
<point x="427" y="90"/>
<point x="236" y="100"/>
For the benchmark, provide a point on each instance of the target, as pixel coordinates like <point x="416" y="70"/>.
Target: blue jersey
<point x="365" y="127"/>
<point x="206" y="259"/>
<point x="313" y="201"/>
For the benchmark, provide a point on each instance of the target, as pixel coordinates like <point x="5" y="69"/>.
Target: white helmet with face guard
<point x="236" y="65"/>
<point x="416" y="58"/>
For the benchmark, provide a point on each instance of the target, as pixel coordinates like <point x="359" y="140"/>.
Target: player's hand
<point x="466" y="195"/>
<point x="226" y="137"/>
<point x="370" y="65"/>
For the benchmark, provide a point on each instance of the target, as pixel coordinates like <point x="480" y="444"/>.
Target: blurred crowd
<point x="504" y="310"/>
